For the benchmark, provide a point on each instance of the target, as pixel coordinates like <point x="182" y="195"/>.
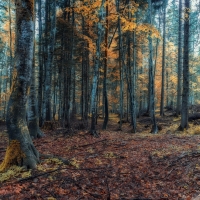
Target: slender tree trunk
<point x="45" y="70"/>
<point x="163" y="63"/>
<point x="49" y="63"/>
<point x="100" y="30"/>
<point x="21" y="149"/>
<point x="10" y="32"/>
<point x="33" y="119"/>
<point x="133" y="93"/>
<point x="40" y="64"/>
<point x="105" y="72"/>
<point x="185" y="95"/>
<point x="121" y="71"/>
<point x="151" y="76"/>
<point x="178" y="104"/>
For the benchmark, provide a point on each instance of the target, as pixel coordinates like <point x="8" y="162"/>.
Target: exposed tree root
<point x="94" y="133"/>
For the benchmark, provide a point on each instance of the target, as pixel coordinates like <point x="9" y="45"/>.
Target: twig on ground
<point x="49" y="172"/>
<point x="90" y="144"/>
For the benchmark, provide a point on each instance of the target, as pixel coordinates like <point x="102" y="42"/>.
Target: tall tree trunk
<point x="33" y="119"/>
<point x="49" y="63"/>
<point x="40" y="64"/>
<point x="133" y="82"/>
<point x="178" y="104"/>
<point x="105" y="72"/>
<point x="151" y="76"/>
<point x="121" y="71"/>
<point x="10" y="32"/>
<point x="163" y="62"/>
<point x="185" y="95"/>
<point x="100" y="30"/>
<point x="21" y="149"/>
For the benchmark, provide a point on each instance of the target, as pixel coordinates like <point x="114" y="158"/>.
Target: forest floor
<point x="117" y="165"/>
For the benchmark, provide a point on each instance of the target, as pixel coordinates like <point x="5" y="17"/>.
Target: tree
<point x="185" y="94"/>
<point x="21" y="150"/>
<point x="163" y="61"/>
<point x="33" y="118"/>
<point x="151" y="75"/>
<point x="49" y="54"/>
<point x="178" y="105"/>
<point x="100" y="30"/>
<point x="105" y="72"/>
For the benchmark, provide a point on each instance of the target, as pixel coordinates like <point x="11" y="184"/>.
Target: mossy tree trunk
<point x="16" y="121"/>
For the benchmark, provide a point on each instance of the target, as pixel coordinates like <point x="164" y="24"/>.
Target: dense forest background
<point x="97" y="58"/>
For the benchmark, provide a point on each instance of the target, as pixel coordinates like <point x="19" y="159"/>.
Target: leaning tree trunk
<point x="21" y="150"/>
<point x="185" y="95"/>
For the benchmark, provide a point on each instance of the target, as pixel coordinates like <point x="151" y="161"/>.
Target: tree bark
<point x="121" y="65"/>
<point x="151" y="76"/>
<point x="163" y="63"/>
<point x="100" y="30"/>
<point x="185" y="95"/>
<point x="33" y="119"/>
<point x="105" y="96"/>
<point x="10" y="32"/>
<point x="179" y="89"/>
<point x="21" y="150"/>
<point x="40" y="64"/>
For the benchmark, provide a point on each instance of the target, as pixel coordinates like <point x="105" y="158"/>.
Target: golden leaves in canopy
<point x="89" y="10"/>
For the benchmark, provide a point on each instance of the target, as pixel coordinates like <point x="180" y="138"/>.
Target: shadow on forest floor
<point x="117" y="165"/>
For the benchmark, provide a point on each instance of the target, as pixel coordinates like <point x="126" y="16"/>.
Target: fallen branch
<point x="52" y="171"/>
<point x="90" y="144"/>
<point x="185" y="154"/>
<point x="194" y="117"/>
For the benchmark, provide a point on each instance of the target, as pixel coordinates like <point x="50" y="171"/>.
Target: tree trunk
<point x="121" y="70"/>
<point x="178" y="104"/>
<point x="151" y="77"/>
<point x="10" y="32"/>
<point x="21" y="150"/>
<point x="40" y="64"/>
<point x="33" y="119"/>
<point x="100" y="30"/>
<point x="133" y="82"/>
<point x="163" y="63"/>
<point x="185" y="95"/>
<point x="105" y="72"/>
<point x="51" y="44"/>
